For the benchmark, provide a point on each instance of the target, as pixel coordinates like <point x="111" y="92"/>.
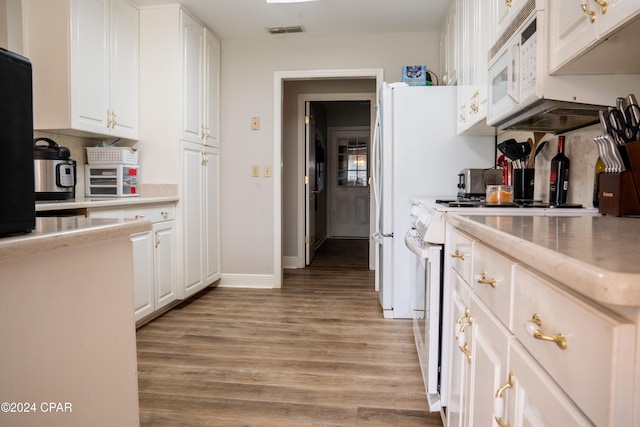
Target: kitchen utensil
<point x="621" y="122"/>
<point x="537" y="137"/>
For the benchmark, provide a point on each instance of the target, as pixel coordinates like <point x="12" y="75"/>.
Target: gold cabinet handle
<point x="509" y="2"/>
<point x="457" y="254"/>
<point x="465" y="349"/>
<point x="164" y="214"/>
<point x="139" y="216"/>
<point x="483" y="280"/>
<point x="114" y="120"/>
<point x="466" y="314"/>
<point x="591" y="13"/>
<point x="469" y="323"/>
<point x="109" y="119"/>
<point x="157" y="240"/>
<point x="603" y="6"/>
<point x="533" y="326"/>
<point x="498" y="403"/>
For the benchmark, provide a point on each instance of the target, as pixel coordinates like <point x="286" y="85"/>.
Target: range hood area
<point x="552" y="116"/>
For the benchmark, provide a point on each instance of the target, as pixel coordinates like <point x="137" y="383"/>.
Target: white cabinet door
<point x="90" y="65"/>
<point x="489" y="365"/>
<point x="164" y="269"/>
<point x="212" y="214"/>
<point x="143" y="292"/>
<point x="570" y="31"/>
<point x="192" y="42"/>
<point x="460" y="354"/>
<point x="211" y="113"/>
<point x="193" y="217"/>
<point x="124" y="69"/>
<point x="534" y="399"/>
<point x="618" y="12"/>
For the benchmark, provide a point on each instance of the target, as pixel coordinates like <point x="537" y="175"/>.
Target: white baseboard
<point x="290" y="262"/>
<point x="254" y="281"/>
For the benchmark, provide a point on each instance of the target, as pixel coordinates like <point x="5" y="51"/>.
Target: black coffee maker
<point x="17" y="203"/>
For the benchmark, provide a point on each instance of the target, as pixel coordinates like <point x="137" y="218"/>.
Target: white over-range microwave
<point x="524" y="96"/>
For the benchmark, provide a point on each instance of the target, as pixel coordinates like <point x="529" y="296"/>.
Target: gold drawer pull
<point x="603" y="6"/>
<point x="457" y="254"/>
<point x="483" y="279"/>
<point x="498" y="403"/>
<point x="533" y="328"/>
<point x="139" y="216"/>
<point x="591" y="13"/>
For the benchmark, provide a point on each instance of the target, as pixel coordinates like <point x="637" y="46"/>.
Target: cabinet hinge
<point x="306" y="240"/>
<point x="306" y="180"/>
<point x="306" y="120"/>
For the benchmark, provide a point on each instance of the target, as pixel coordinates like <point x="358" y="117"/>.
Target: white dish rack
<point x="112" y="156"/>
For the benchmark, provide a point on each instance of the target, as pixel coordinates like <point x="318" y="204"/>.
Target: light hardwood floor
<point x="315" y="353"/>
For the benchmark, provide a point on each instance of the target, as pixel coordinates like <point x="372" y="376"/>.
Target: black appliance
<point x="17" y="202"/>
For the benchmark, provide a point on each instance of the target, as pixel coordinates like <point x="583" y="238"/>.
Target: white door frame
<point x="279" y="78"/>
<point x="311" y="97"/>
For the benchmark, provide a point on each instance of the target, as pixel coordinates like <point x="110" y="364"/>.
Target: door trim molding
<point x="279" y="78"/>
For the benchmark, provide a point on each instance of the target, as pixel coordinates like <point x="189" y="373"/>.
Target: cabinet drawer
<point x="491" y="281"/>
<point x="139" y="212"/>
<point x="460" y="252"/>
<point x="594" y="367"/>
<point x="106" y="213"/>
<point x="164" y="213"/>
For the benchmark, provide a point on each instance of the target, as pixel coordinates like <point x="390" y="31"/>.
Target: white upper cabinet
<point x="211" y="109"/>
<point x="504" y="12"/>
<point x="201" y="82"/>
<point x="593" y="37"/>
<point x="85" y="66"/>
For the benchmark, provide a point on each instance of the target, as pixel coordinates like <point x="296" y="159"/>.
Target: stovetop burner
<point x="525" y="203"/>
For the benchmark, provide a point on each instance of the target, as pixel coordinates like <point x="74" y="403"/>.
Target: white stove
<point x="428" y="213"/>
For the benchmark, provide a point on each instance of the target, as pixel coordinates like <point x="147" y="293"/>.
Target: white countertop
<point x="597" y="256"/>
<point x="59" y="232"/>
<point x="81" y="202"/>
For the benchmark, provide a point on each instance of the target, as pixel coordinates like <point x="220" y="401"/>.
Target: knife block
<point x="619" y="193"/>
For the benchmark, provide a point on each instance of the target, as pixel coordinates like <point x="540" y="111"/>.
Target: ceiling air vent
<point x="286" y="30"/>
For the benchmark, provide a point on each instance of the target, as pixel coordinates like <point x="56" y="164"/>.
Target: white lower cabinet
<point x="200" y="201"/>
<point x="526" y="352"/>
<point x="154" y="256"/>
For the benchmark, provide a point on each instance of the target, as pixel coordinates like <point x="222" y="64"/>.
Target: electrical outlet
<point x="255" y="123"/>
<point x="267" y="171"/>
<point x="255" y="171"/>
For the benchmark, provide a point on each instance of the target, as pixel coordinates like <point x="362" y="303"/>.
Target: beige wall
<point x="11" y="25"/>
<point x="248" y="68"/>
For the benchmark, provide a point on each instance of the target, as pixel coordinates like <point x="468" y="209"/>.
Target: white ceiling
<point x="232" y="19"/>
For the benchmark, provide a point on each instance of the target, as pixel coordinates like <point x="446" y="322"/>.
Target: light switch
<point x="267" y="171"/>
<point x="255" y="123"/>
<point x="255" y="170"/>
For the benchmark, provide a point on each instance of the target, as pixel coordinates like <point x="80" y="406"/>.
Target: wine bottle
<point x="596" y="181"/>
<point x="559" y="176"/>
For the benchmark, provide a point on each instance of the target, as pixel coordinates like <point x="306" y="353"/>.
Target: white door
<point x="192" y="34"/>
<point x="212" y="214"/>
<point x="350" y="192"/>
<point x="90" y="58"/>
<point x="124" y="69"/>
<point x="192" y="205"/>
<point x="310" y="181"/>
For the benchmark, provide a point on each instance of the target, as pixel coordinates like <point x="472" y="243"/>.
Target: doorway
<point x="332" y="85"/>
<point x="337" y="195"/>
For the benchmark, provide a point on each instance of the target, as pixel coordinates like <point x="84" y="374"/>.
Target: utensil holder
<point x="619" y="193"/>
<point x="523" y="183"/>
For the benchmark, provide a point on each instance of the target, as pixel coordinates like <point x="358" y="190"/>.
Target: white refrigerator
<point x="416" y="152"/>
